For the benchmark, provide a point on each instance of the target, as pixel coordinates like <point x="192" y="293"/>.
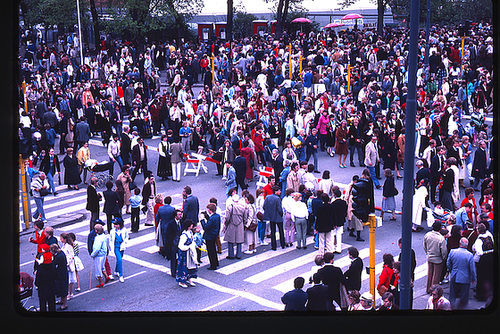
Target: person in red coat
<point x="247" y="153"/>
<point x="387" y="277"/>
<point x="40" y="236"/>
<point x="469" y="198"/>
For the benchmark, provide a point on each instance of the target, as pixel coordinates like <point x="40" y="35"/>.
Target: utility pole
<point x="80" y="32"/>
<point x="411" y="107"/>
<point x="427" y="33"/>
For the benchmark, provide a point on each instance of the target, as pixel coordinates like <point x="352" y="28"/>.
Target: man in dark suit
<point x="332" y="277"/>
<point x="273" y="212"/>
<point x="111" y="204"/>
<point x="240" y="166"/>
<point x="139" y="157"/>
<point x="317" y="296"/>
<point x="93" y="199"/>
<point x="295" y="300"/>
<point x="191" y="207"/>
<point x="125" y="148"/>
<point x="479" y="164"/>
<point x="436" y="170"/>
<point x="211" y="231"/>
<point x="353" y="274"/>
<point x="174" y="229"/>
<point x="422" y="172"/>
<point x="165" y="216"/>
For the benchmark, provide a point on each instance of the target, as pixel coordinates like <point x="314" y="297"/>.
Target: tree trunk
<point x="380" y="17"/>
<point x="285" y="13"/>
<point x="229" y="21"/>
<point x="95" y="22"/>
<point x="279" y="19"/>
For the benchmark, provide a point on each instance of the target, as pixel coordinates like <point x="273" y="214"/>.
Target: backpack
<point x="487" y="243"/>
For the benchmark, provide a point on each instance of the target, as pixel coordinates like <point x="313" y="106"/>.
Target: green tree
<point x="50" y="13"/>
<point x="243" y="24"/>
<point x="281" y="9"/>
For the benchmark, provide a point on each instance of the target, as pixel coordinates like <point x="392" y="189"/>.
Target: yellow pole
<point x="25" y="99"/>
<point x="372" y="224"/>
<point x="24" y="193"/>
<point x="213" y="71"/>
<point x="462" y="56"/>
<point x="290" y="60"/>
<point x="300" y="66"/>
<point x="349" y="78"/>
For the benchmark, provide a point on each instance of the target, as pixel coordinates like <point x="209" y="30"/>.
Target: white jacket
<point x="112" y="236"/>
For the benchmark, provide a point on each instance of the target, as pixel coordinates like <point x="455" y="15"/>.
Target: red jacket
<point x="39" y="240"/>
<point x="466" y="200"/>
<point x="385" y="277"/>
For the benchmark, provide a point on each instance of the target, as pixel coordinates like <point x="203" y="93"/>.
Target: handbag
<point x="132" y="185"/>
<point x="44" y="192"/>
<point x="78" y="264"/>
<point x="260" y="216"/>
<point x="252" y="227"/>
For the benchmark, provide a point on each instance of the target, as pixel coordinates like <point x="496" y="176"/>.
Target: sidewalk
<point x="59" y="221"/>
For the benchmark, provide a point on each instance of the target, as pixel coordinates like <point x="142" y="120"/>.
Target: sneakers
<point x="248" y="252"/>
<point x="263" y="243"/>
<point x="121" y="279"/>
<point x="182" y="285"/>
<point x="191" y="283"/>
<point x="111" y="277"/>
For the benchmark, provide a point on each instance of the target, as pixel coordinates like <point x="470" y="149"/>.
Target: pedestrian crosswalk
<point x="273" y="270"/>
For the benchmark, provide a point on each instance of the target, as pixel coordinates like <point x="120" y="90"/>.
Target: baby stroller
<point x="100" y="170"/>
<point x="26" y="291"/>
<point x="437" y="215"/>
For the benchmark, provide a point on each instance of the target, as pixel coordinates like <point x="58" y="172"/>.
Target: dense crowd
<point x="346" y="95"/>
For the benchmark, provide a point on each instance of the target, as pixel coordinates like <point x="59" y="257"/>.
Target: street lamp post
<point x="79" y="31"/>
<point x="411" y="106"/>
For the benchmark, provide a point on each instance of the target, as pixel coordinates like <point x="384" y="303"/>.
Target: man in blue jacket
<point x="165" y="216"/>
<point x="295" y="300"/>
<point x="273" y="212"/>
<point x="460" y="264"/>
<point x="212" y="229"/>
<point x="191" y="208"/>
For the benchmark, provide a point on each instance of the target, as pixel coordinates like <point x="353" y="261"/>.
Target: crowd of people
<point x="259" y="110"/>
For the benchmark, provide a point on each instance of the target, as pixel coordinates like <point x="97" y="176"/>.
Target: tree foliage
<point x="49" y="13"/>
<point x="242" y="24"/>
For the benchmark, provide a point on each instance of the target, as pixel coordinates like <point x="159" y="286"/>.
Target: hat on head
<point x="366" y="296"/>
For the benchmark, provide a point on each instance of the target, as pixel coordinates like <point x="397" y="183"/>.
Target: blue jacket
<point x="273" y="210"/>
<point x="191" y="209"/>
<point x="460" y="262"/>
<point x="295" y="300"/>
<point x="211" y="227"/>
<point x="165" y="215"/>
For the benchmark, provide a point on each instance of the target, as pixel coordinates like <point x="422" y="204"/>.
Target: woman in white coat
<point x="67" y="248"/>
<point x="118" y="239"/>
<point x="419" y="205"/>
<point x="250" y="225"/>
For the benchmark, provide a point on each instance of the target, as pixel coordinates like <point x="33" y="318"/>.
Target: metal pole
<point x="411" y="106"/>
<point x="349" y="78"/>
<point x="80" y="31"/>
<point x="372" y="224"/>
<point x="427" y="33"/>
<point x="300" y="66"/>
<point x="213" y="72"/>
<point x="24" y="194"/>
<point x="290" y="60"/>
<point x="462" y="55"/>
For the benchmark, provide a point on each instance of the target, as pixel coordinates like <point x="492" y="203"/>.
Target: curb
<point x="59" y="221"/>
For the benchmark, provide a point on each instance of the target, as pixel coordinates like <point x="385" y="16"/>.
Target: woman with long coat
<point x="45" y="280"/>
<point x="419" y="205"/>
<point x="62" y="279"/>
<point x="71" y="170"/>
<point x="341" y="143"/>
<point x="164" y="165"/>
<point x="125" y="179"/>
<point x="236" y="216"/>
<point x="227" y="156"/>
<point x="390" y="152"/>
<point x="247" y="153"/>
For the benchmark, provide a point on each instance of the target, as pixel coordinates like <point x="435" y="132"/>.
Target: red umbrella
<point x="352" y="17"/>
<point x="333" y="25"/>
<point x="301" y="20"/>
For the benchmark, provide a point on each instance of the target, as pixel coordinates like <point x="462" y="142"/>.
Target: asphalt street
<point x="254" y="283"/>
